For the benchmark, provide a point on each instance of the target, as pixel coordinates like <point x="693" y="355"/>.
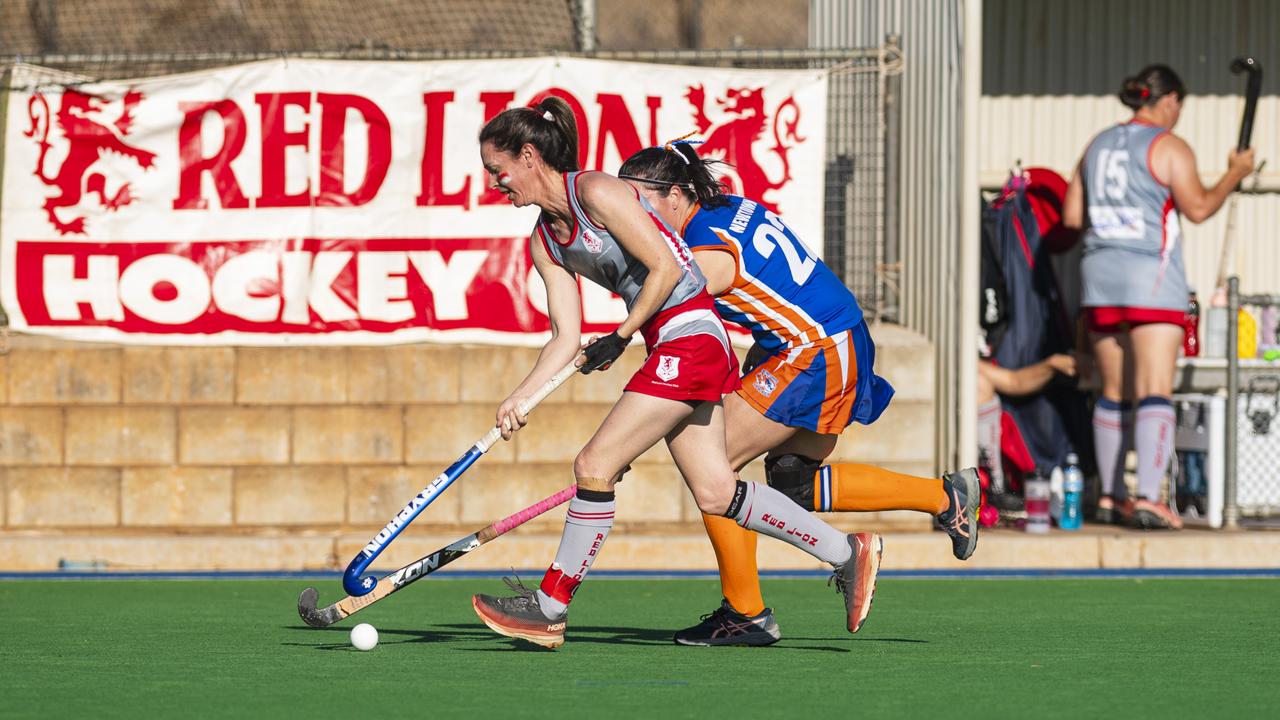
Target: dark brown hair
<point x="1149" y="85"/>
<point x="549" y="127"/>
<point x="677" y="164"/>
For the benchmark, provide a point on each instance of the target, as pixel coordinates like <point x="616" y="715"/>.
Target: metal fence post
<point x="889" y="271"/>
<point x="1230" y="511"/>
<point x="585" y="11"/>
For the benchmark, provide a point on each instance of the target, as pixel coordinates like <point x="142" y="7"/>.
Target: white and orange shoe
<point x="856" y="579"/>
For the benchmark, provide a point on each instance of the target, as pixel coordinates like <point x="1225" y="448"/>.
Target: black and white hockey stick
<point x="326" y="616"/>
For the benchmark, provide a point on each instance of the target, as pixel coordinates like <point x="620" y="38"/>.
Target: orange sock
<point x="735" y="549"/>
<point x="850" y="487"/>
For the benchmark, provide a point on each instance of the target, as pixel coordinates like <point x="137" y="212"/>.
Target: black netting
<point x="179" y="26"/>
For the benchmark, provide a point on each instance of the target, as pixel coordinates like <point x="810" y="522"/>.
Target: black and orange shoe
<point x="1152" y="515"/>
<point x="960" y="519"/>
<point x="1113" y="512"/>
<point x="856" y="579"/>
<point x="520" y="616"/>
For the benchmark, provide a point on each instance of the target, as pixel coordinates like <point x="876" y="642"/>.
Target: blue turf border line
<point x="975" y="574"/>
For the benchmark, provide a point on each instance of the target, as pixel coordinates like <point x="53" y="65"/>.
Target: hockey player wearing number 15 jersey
<point x="807" y="378"/>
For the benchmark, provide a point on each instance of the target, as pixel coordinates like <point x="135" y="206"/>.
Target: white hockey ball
<point x="364" y="636"/>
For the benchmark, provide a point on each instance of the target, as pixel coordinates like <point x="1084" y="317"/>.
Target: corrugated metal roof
<point x="1087" y="47"/>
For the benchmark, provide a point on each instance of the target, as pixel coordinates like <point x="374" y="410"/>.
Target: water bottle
<point x="1215" y="335"/>
<point x="1072" y="489"/>
<point x="1055" y="494"/>
<point x="1191" y="327"/>
<point x="1269" y="323"/>
<point x="1036" y="490"/>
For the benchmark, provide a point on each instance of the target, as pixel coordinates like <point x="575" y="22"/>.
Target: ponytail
<point x="549" y="126"/>
<point x="1149" y="85"/>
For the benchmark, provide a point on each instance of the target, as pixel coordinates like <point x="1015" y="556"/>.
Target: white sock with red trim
<point x="585" y="528"/>
<point x="1109" y="445"/>
<point x="1153" y="441"/>
<point x="765" y="510"/>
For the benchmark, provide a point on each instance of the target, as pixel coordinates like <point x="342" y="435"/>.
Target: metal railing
<point x="1261" y="421"/>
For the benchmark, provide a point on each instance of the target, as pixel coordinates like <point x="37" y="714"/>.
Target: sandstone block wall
<point x="261" y="458"/>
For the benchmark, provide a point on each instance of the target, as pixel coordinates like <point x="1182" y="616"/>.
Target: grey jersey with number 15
<point x="1132" y="257"/>
<point x="594" y="254"/>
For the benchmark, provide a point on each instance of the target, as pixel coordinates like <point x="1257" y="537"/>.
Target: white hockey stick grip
<point x="526" y="406"/>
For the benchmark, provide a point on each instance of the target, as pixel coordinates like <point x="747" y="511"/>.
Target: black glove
<point x="601" y="353"/>
<point x="755" y="356"/>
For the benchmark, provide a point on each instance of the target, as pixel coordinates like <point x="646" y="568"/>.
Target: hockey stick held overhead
<point x="353" y="579"/>
<point x="1253" y="86"/>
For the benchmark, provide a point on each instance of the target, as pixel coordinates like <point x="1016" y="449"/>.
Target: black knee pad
<point x="792" y="475"/>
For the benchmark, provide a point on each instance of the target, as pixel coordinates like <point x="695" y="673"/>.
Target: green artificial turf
<point x="931" y="648"/>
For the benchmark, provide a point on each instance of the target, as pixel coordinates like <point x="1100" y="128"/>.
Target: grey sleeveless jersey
<point x="1132" y="253"/>
<point x="593" y="253"/>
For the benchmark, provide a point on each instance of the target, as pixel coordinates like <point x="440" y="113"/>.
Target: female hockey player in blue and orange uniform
<point x="597" y="226"/>
<point x="807" y="378"/>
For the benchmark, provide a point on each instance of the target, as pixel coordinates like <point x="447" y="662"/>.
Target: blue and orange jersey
<point x="781" y="291"/>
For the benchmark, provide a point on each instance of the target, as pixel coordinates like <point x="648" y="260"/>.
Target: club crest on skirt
<point x="668" y="367"/>
<point x="765" y="383"/>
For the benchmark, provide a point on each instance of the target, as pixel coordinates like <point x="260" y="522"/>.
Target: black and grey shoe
<point x="960" y="519"/>
<point x="1009" y="505"/>
<point x="727" y="626"/>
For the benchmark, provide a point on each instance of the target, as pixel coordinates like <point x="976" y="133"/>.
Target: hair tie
<point x="546" y="115"/>
<point x="682" y="140"/>
<point x="1144" y="93"/>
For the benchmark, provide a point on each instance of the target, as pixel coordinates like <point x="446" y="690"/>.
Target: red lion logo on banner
<point x="88" y="139"/>
<point x="733" y="140"/>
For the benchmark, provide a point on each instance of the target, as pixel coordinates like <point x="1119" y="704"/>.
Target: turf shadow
<point x="598" y="634"/>
<point x="584" y="633"/>
<point x="607" y="635"/>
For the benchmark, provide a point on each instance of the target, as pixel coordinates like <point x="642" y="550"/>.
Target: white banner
<point x="334" y="202"/>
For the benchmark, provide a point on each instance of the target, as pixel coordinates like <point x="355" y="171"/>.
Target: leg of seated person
<point x="989" y="411"/>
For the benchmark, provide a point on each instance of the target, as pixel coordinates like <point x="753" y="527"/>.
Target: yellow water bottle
<point x="1247" y="335"/>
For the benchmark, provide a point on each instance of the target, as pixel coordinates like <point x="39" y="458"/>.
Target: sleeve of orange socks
<point x="736" y="555"/>
<point x="851" y="487"/>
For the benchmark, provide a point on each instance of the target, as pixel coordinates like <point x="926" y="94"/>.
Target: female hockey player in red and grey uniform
<point x="1134" y="183"/>
<point x="596" y="226"/>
